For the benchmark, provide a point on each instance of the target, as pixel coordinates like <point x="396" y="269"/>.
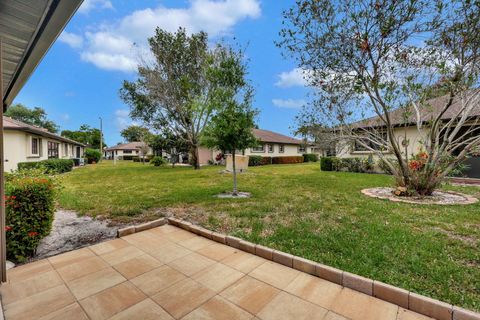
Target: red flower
<point x="32" y="233"/>
<point x="8" y="228"/>
<point x="415" y="165"/>
<point x="423" y="155"/>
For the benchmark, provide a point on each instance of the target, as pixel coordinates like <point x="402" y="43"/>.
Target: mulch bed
<point x="438" y="197"/>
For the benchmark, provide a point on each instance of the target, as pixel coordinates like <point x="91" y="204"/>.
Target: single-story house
<point x="408" y="134"/>
<point x="127" y="151"/>
<point x="271" y="144"/>
<point x="28" y="143"/>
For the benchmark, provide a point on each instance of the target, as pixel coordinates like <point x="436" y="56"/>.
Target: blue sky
<point x="79" y="79"/>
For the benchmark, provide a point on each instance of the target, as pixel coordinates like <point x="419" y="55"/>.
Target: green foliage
<point x="51" y="166"/>
<point x="310" y="157"/>
<point x="254" y="161"/>
<point x="36" y="116"/>
<point x="326" y="163"/>
<point x="86" y="135"/>
<point x="135" y="133"/>
<point x="158" y="161"/>
<point x="362" y="165"/>
<point x="30" y="206"/>
<point x="92" y="155"/>
<point x="382" y="164"/>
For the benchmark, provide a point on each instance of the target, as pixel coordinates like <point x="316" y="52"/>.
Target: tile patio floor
<point x="169" y="273"/>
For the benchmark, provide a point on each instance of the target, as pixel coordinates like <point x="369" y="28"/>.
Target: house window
<point x="127" y="151"/>
<point x="53" y="149"/>
<point x="65" y="149"/>
<point x="369" y="145"/>
<point x="302" y="149"/>
<point x="281" y="148"/>
<point x="270" y="148"/>
<point x="35" y="150"/>
<point x="260" y="148"/>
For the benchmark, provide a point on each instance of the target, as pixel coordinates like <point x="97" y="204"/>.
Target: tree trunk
<point x="195" y="158"/>
<point x="235" y="191"/>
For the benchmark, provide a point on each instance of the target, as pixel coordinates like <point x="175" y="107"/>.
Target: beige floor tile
<point x="196" y="243"/>
<point x="158" y="279"/>
<point x="359" y="306"/>
<point x="109" y="302"/>
<point x="28" y="270"/>
<point x="122" y="255"/>
<point x="333" y="316"/>
<point x="183" y="297"/>
<point x="67" y="258"/>
<point x="179" y="235"/>
<point x="242" y="261"/>
<point x="108" y="246"/>
<point x="148" y="242"/>
<point x="39" y="304"/>
<point x="314" y="289"/>
<point x="404" y="314"/>
<point x="250" y="294"/>
<point x="217" y="251"/>
<point x="139" y="265"/>
<point x="167" y="228"/>
<point x="218" y="308"/>
<point x="169" y="252"/>
<point x="287" y="306"/>
<point x="217" y="277"/>
<point x="70" y="312"/>
<point x="275" y="274"/>
<point x="12" y="292"/>
<point x="145" y="310"/>
<point x="191" y="264"/>
<point x="95" y="282"/>
<point x="81" y="268"/>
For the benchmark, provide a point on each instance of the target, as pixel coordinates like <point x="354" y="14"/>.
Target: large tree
<point x="173" y="89"/>
<point x="36" y="116"/>
<point x="231" y="127"/>
<point x="134" y="133"/>
<point x="86" y="135"/>
<point x="387" y="59"/>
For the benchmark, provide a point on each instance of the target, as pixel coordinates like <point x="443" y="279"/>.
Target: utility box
<point x="241" y="163"/>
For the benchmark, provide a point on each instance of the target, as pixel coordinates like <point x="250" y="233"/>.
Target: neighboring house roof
<point x="12" y="124"/>
<point x="127" y="146"/>
<point x="270" y="136"/>
<point x="430" y="110"/>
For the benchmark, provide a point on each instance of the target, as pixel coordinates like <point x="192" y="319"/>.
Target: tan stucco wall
<point x="17" y="149"/>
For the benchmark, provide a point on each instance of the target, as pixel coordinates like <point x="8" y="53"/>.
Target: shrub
<point x="158" y="161"/>
<point x="52" y="166"/>
<point x="326" y="163"/>
<point x="287" y="160"/>
<point x="384" y="167"/>
<point x="30" y="207"/>
<point x="92" y="155"/>
<point x="310" y="157"/>
<point x="254" y="161"/>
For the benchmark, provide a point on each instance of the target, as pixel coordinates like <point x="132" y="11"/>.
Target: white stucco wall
<point x="289" y="150"/>
<point x="18" y="149"/>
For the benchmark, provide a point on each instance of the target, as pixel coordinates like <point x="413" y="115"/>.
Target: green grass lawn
<point x="322" y="216"/>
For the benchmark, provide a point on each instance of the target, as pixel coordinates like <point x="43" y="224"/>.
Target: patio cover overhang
<point x="27" y="30"/>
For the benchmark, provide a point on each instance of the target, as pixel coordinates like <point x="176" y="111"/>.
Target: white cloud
<point x="73" y="40"/>
<point x="65" y="117"/>
<point x="294" y="78"/>
<point x="122" y="118"/>
<point x="289" y="103"/>
<point x="89" y="5"/>
<point x="116" y="46"/>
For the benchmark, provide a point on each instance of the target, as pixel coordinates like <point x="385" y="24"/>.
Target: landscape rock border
<point x="438" y="197"/>
<point x="229" y="195"/>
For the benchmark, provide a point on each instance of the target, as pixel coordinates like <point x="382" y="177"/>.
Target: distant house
<point x="271" y="144"/>
<point x="25" y="143"/>
<point x="126" y="151"/>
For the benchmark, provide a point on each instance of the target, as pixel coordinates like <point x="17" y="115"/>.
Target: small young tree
<point x="231" y="128"/>
<point x="387" y="59"/>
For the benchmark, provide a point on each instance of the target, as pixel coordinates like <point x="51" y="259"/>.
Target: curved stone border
<point x="386" y="193"/>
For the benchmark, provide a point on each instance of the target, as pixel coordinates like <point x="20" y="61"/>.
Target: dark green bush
<point x="327" y="163"/>
<point x="138" y="159"/>
<point x="52" y="166"/>
<point x="310" y="157"/>
<point x="287" y="160"/>
<point x="92" y="155"/>
<point x="254" y="161"/>
<point x="158" y="161"/>
<point x="30" y="207"/>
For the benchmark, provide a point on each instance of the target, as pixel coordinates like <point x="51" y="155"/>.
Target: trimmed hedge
<point x="287" y="160"/>
<point x="310" y="157"/>
<point x="326" y="163"/>
<point x="254" y="161"/>
<point x="347" y="164"/>
<point x="138" y="159"/>
<point x="158" y="161"/>
<point x="30" y="207"/>
<point x="52" y="166"/>
<point x="92" y="155"/>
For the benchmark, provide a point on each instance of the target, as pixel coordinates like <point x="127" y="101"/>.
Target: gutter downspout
<point x="3" y="249"/>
